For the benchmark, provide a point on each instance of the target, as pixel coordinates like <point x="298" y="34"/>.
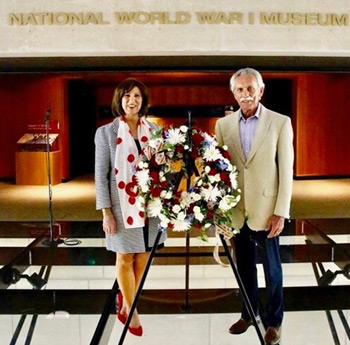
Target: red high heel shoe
<point x="136" y="331"/>
<point x="119" y="301"/>
<point x="122" y="318"/>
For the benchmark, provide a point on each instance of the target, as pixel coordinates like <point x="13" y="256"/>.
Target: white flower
<point x="164" y="224"/>
<point x="168" y="195"/>
<point x="212" y="154"/>
<point x="164" y="221"/>
<point x="185" y="199"/>
<point x="175" y="136"/>
<point x="142" y="165"/>
<point x="139" y="204"/>
<point x="142" y="177"/>
<point x="214" y="178"/>
<point x="154" y="207"/>
<point x="227" y="202"/>
<point x="198" y="214"/>
<point x="180" y="224"/>
<point x="183" y="128"/>
<point x="210" y="139"/>
<point x="233" y="179"/>
<point x="195" y="196"/>
<point x="176" y="209"/>
<point x="229" y="165"/>
<point x="196" y="209"/>
<point x="141" y="199"/>
<point x="211" y="193"/>
<point x="144" y="189"/>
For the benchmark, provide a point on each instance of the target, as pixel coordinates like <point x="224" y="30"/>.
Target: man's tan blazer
<point x="266" y="178"/>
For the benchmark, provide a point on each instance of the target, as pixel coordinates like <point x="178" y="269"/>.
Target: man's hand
<point x="275" y="226"/>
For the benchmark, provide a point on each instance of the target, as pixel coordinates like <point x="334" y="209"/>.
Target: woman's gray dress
<point x="137" y="240"/>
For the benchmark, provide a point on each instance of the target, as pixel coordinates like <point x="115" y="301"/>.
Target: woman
<point x="117" y="146"/>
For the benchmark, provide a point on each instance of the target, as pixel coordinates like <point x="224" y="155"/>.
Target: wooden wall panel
<point x="323" y="125"/>
<point x="190" y="95"/>
<point x="320" y="113"/>
<point x="24" y="100"/>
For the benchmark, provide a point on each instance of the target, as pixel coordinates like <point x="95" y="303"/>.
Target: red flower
<point x="210" y="214"/>
<point x="225" y="154"/>
<point x="197" y="139"/>
<point x="153" y="162"/>
<point x="155" y="192"/>
<point x="154" y="176"/>
<point x="179" y="149"/>
<point x="224" y="177"/>
<point x="194" y="153"/>
<point x="190" y="208"/>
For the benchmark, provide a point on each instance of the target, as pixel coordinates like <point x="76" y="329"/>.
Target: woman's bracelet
<point x="106" y="211"/>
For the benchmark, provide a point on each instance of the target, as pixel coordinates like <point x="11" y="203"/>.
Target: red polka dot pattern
<point x="131" y="158"/>
<point x="124" y="170"/>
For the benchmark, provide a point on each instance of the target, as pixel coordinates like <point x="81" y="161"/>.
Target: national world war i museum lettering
<point x="180" y="18"/>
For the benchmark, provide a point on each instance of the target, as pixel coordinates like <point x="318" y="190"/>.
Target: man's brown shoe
<point x="272" y="336"/>
<point x="240" y="326"/>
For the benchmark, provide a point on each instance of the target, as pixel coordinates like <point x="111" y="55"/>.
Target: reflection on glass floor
<point x="81" y="277"/>
<point x="188" y="329"/>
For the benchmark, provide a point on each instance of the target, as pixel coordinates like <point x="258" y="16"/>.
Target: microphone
<point x="47" y="114"/>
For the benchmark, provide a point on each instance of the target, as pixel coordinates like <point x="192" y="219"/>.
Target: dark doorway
<point x="278" y="95"/>
<point x="82" y="126"/>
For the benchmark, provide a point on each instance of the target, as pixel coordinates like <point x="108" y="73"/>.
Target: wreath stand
<point x="191" y="169"/>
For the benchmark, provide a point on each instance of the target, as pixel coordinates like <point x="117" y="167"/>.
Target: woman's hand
<point x="109" y="224"/>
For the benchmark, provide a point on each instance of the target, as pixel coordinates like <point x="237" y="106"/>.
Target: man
<point x="260" y="143"/>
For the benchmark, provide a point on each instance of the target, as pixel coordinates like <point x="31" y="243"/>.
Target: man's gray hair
<point x="246" y="71"/>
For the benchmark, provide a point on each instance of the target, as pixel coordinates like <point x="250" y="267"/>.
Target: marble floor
<point x="306" y="327"/>
<point x="75" y="201"/>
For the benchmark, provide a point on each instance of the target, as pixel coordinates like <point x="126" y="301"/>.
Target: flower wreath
<point x="212" y="194"/>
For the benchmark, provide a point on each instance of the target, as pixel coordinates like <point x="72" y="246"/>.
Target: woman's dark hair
<point x="126" y="86"/>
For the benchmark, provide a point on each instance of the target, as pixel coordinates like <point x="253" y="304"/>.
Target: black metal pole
<point x="47" y="118"/>
<point x="257" y="324"/>
<point x="138" y="292"/>
<point x="100" y="329"/>
<point x="188" y="164"/>
<point x="187" y="272"/>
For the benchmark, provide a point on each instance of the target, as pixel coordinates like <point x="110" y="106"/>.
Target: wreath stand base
<point x="259" y="327"/>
